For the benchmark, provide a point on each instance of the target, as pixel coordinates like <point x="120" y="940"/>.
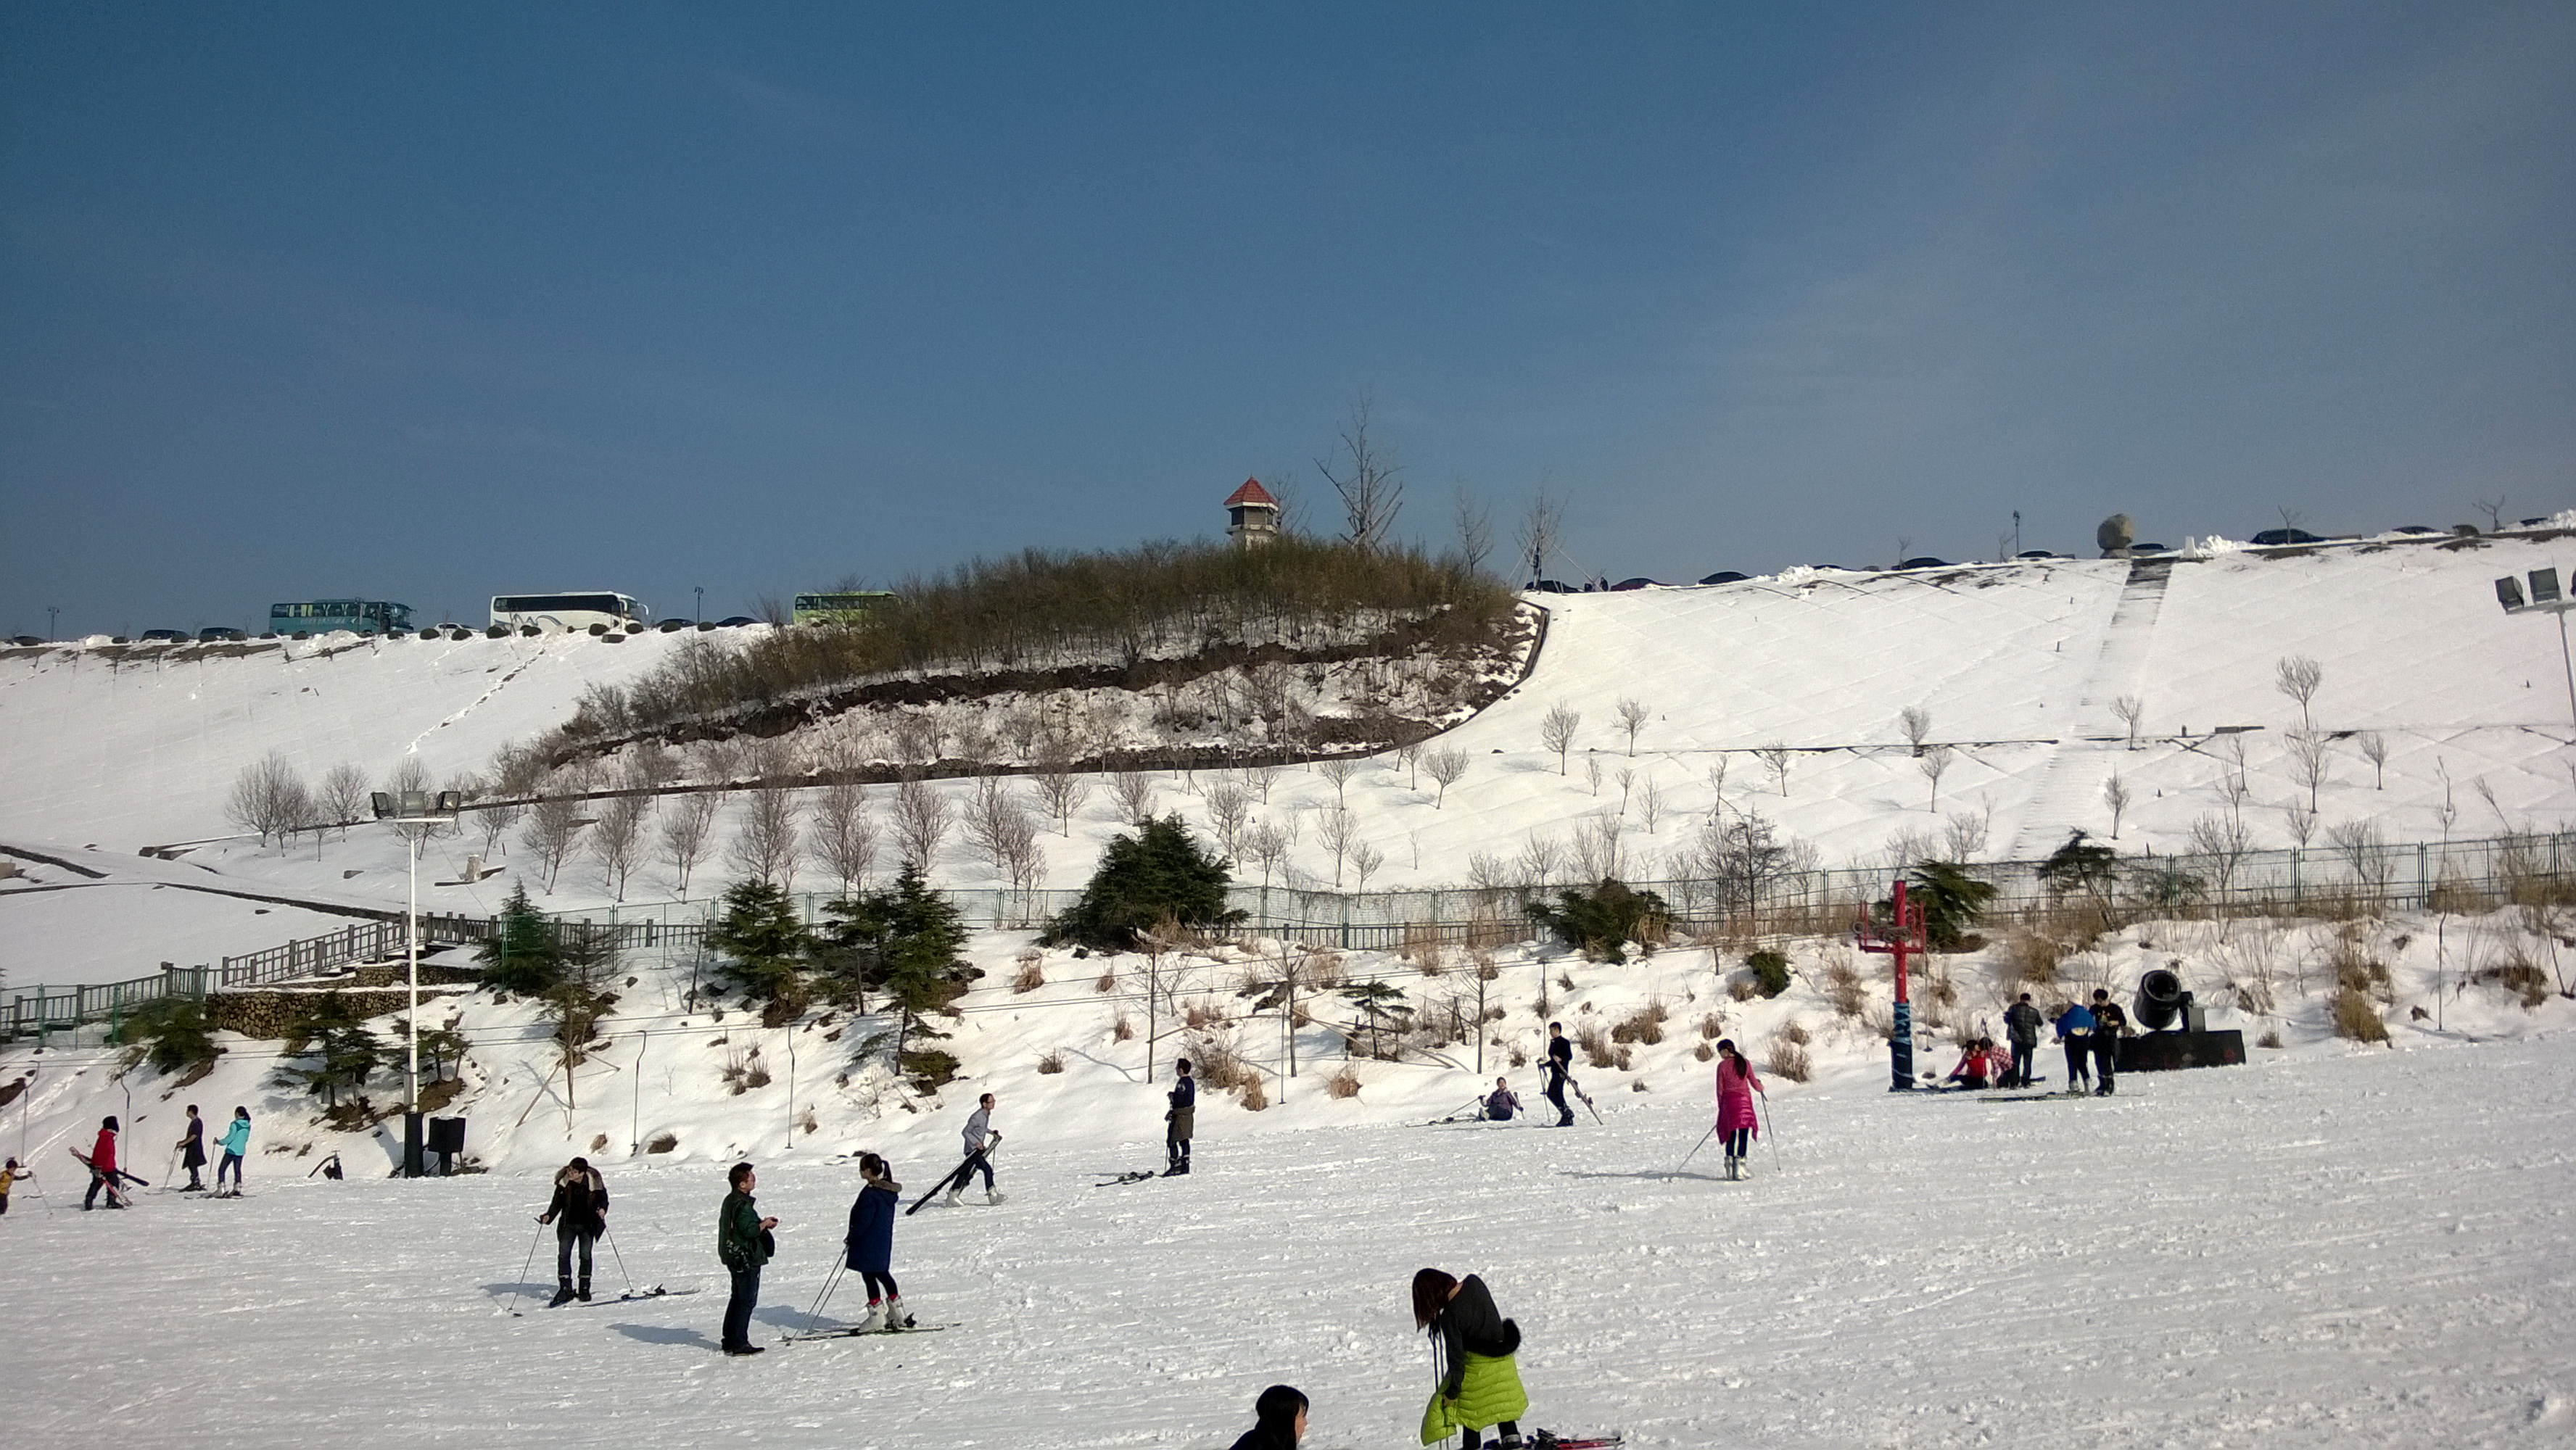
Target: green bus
<point x="322" y="616"/>
<point x="843" y="607"/>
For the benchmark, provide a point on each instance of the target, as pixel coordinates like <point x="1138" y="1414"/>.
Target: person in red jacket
<point x="102" y="1168"/>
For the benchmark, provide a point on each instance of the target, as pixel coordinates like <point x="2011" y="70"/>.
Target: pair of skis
<point x="858" y="1332"/>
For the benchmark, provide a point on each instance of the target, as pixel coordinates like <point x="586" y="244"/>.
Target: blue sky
<point x="432" y="303"/>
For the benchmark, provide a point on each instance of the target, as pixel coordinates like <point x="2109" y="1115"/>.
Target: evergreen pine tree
<point x="909" y="942"/>
<point x="524" y="954"/>
<point x="1157" y="875"/>
<point x="765" y="948"/>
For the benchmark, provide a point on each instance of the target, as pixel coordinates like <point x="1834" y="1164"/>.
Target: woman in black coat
<point x="1280" y="1421"/>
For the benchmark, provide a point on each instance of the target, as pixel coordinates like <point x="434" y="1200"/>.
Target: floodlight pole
<point x="417" y="810"/>
<point x="2544" y="596"/>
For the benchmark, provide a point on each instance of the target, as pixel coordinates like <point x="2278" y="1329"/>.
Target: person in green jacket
<point x="743" y="1241"/>
<point x="1472" y="1345"/>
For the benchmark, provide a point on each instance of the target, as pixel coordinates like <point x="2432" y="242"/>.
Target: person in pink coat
<point x="1737" y="1123"/>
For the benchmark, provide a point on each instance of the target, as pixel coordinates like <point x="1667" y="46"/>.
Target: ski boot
<point x="992" y="1195"/>
<point x="583" y="1292"/>
<point x="563" y="1296"/>
<point x="875" y="1318"/>
<point x="896" y="1316"/>
<point x="956" y="1196"/>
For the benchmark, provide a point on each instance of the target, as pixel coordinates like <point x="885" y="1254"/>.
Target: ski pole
<point x="520" y="1287"/>
<point x="606" y="1233"/>
<point x="829" y="1280"/>
<point x="1693" y="1153"/>
<point x="1774" y="1134"/>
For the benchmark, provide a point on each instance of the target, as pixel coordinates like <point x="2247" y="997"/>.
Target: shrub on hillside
<point x="1158" y="875"/>
<point x="1770" y="972"/>
<point x="523" y="954"/>
<point x="2356" y="1018"/>
<point x="1601" y="922"/>
<point x="172" y="1034"/>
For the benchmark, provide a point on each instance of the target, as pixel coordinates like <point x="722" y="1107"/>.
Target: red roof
<point x="1251" y="493"/>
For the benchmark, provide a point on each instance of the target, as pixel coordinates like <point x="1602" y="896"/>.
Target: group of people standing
<point x="109" y="1180"/>
<point x="2091" y="1033"/>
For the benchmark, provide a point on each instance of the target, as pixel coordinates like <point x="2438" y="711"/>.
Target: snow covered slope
<point x="2345" y="1250"/>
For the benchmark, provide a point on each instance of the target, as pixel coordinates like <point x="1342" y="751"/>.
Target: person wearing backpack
<point x="744" y="1243"/>
<point x="2075" y="1031"/>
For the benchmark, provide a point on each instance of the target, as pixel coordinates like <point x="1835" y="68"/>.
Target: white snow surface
<point x="2334" y="1248"/>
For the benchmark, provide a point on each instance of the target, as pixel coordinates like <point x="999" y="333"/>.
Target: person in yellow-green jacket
<point x="1472" y="1345"/>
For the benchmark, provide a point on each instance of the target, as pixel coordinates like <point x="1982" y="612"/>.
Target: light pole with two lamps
<point x="2545" y="599"/>
<point x="413" y="813"/>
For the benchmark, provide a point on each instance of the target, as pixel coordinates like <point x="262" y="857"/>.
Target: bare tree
<point x="1364" y="472"/>
<point x="1365" y="859"/>
<point x="1775" y="757"/>
<point x="996" y="822"/>
<point x="845" y="836"/>
<point x="1340" y="832"/>
<point x="2309" y="759"/>
<point x="2374" y="748"/>
<point x="1132" y="791"/>
<point x="1632" y="718"/>
<point x="1556" y="730"/>
<point x="1062" y="792"/>
<point x="1266" y="843"/>
<point x="1542" y="530"/>
<point x="1592" y="772"/>
<point x="1339" y="769"/>
<point x="921" y="819"/>
<point x="2301" y="818"/>
<point x="1650" y="805"/>
<point x="769" y="841"/>
<point x="1229" y="805"/>
<point x="1916" y="722"/>
<point x="2298" y="676"/>
<point x="343" y="796"/>
<point x="1935" y="763"/>
<point x="552" y="823"/>
<point x="268" y="798"/>
<point x="2115" y="794"/>
<point x="617" y="837"/>
<point x="1409" y="757"/>
<point x="496" y="819"/>
<point x="1964" y="838"/>
<point x="1542" y="859"/>
<point x="2130" y="709"/>
<point x="2364" y="851"/>
<point x="2222" y="841"/>
<point x="1447" y="768"/>
<point x="686" y="824"/>
<point x="2493" y="508"/>
<point x="1475" y="528"/>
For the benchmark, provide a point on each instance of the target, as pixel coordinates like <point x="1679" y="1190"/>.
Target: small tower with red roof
<point x="1252" y="515"/>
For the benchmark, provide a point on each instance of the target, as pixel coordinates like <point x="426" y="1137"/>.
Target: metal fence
<point x="2400" y="876"/>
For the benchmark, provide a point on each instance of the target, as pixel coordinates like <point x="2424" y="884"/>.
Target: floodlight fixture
<point x="414" y="808"/>
<point x="2545" y="598"/>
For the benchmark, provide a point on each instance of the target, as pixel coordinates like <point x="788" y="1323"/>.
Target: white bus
<point x="569" y="611"/>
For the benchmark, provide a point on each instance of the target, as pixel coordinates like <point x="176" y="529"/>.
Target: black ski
<point x="855" y="1332"/>
<point x="656" y="1292"/>
<point x="1138" y="1176"/>
<point x="1550" y="1440"/>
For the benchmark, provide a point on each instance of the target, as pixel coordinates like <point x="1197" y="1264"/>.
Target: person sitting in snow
<point x="1502" y="1102"/>
<point x="1976" y="1067"/>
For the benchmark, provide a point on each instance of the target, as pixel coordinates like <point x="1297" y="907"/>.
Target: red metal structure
<point x="1900" y="936"/>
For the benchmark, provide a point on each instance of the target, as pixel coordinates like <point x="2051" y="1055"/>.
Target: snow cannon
<point x="2162" y="1002"/>
<point x="2176" y="1033"/>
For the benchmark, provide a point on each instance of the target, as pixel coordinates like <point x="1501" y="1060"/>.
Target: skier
<point x="2075" y="1030"/>
<point x="102" y="1168"/>
<point x="1182" y="1118"/>
<point x="1502" y="1102"/>
<point x="1472" y="1349"/>
<point x="744" y="1243"/>
<point x="1559" y="1068"/>
<point x="9" y="1176"/>
<point x="871" y="1244"/>
<point x="1279" y="1420"/>
<point x="192" y="1150"/>
<point x="2021" y="1028"/>
<point x="2108" y="1023"/>
<point x="1737" y="1122"/>
<point x="579" y="1213"/>
<point x="236" y="1143"/>
<point x="980" y="1139"/>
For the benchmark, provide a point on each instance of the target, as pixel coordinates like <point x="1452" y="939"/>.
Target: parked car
<point x="1551" y="586"/>
<point x="163" y="636"/>
<point x="2037" y="554"/>
<point x="2413" y="529"/>
<point x="1925" y="562"/>
<point x="25" y="640"/>
<point x="214" y="632"/>
<point x="1725" y="576"/>
<point x="1640" y="582"/>
<point x="2282" y="536"/>
<point x="735" y="621"/>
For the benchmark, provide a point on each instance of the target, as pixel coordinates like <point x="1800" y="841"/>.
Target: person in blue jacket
<point x="236" y="1143"/>
<point x="871" y="1244"/>
<point x="2075" y="1030"/>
